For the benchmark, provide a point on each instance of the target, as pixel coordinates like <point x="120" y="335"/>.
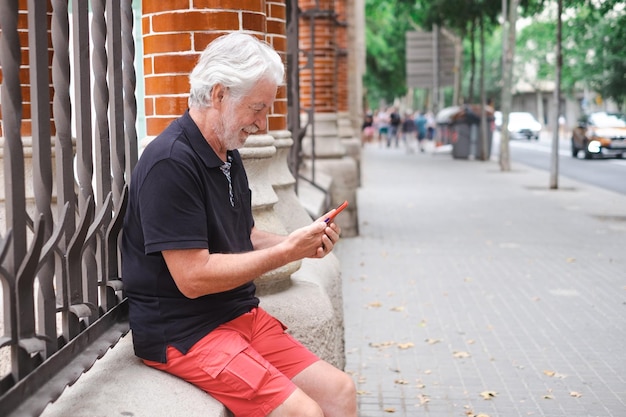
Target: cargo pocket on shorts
<point x="241" y="371"/>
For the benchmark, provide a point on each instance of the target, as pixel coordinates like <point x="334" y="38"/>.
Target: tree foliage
<point x="385" y="28"/>
<point x="594" y="44"/>
<point x="594" y="50"/>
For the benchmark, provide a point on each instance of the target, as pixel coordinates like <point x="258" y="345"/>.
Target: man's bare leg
<point x="298" y="404"/>
<point x="331" y="388"/>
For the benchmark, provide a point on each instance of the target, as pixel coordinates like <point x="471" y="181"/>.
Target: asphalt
<point x="476" y="292"/>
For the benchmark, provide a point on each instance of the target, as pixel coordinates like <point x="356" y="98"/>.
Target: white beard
<point x="231" y="135"/>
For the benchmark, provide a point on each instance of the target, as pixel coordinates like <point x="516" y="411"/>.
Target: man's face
<point x="247" y="116"/>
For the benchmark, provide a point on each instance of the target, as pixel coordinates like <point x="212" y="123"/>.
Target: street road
<point x="607" y="173"/>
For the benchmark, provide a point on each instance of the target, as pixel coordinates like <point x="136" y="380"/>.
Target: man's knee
<point x="346" y="388"/>
<point x="298" y="404"/>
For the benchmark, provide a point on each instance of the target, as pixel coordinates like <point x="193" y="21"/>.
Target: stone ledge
<point x="118" y="384"/>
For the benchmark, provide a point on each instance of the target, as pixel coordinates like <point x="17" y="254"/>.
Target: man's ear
<point x="217" y="95"/>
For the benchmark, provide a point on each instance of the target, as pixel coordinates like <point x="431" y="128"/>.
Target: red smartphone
<point x="338" y="210"/>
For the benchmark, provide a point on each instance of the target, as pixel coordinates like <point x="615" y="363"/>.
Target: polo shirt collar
<point x="199" y="144"/>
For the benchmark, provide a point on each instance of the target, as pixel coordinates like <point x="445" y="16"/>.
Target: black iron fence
<point x="59" y="264"/>
<point x="65" y="186"/>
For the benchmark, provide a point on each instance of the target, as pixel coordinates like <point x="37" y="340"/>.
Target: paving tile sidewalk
<point x="469" y="283"/>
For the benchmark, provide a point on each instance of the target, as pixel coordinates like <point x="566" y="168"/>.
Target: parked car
<point x="523" y="125"/>
<point x="600" y="133"/>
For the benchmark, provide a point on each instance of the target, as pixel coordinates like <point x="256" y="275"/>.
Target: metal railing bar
<point x="46" y="383"/>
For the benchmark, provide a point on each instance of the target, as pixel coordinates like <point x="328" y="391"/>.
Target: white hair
<point x="237" y="61"/>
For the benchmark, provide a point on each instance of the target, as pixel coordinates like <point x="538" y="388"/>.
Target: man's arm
<point x="262" y="239"/>
<point x="198" y="272"/>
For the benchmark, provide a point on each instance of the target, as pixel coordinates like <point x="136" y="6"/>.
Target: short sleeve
<point x="171" y="207"/>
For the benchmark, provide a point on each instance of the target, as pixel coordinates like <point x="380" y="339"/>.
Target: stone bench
<point x="118" y="384"/>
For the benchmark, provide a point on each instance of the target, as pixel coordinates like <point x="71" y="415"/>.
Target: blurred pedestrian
<point x="382" y="122"/>
<point x="408" y="131"/>
<point x="367" y="129"/>
<point x="394" y="127"/>
<point x="430" y="125"/>
<point x="420" y="124"/>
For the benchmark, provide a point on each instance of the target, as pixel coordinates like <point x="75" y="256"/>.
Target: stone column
<point x="349" y="128"/>
<point x="326" y="162"/>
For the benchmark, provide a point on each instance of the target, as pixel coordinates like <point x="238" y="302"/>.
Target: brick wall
<point x="175" y="32"/>
<point x="341" y="34"/>
<point x="324" y="61"/>
<point x="276" y="12"/>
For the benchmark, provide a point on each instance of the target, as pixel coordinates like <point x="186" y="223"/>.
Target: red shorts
<point x="247" y="364"/>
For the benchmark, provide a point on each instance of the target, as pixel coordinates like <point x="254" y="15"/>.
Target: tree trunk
<point x="554" y="166"/>
<point x="507" y="86"/>
<point x="484" y="127"/>
<point x="470" y="94"/>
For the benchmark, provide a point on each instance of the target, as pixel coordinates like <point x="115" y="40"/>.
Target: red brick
<point x="167" y="84"/>
<point x="155" y="125"/>
<point x="248" y="5"/>
<point x="175" y="42"/>
<point x="195" y="21"/>
<point x="175" y="63"/>
<point x="158" y="6"/>
<point x="174" y="106"/>
<point x="253" y="21"/>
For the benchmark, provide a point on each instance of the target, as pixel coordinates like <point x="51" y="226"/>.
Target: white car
<point x="523" y="125"/>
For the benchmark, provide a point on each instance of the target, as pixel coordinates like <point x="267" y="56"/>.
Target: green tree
<point x="594" y="50"/>
<point x="386" y="23"/>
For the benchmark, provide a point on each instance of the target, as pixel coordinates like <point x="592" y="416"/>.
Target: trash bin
<point x="461" y="147"/>
<point x="465" y="124"/>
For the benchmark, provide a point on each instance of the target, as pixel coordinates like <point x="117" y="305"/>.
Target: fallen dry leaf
<point x="461" y="355"/>
<point x="555" y="374"/>
<point x="382" y="345"/>
<point x="575" y="394"/>
<point x="375" y="304"/>
<point x="401" y="382"/>
<point x="470" y="413"/>
<point x="406" y="345"/>
<point x="432" y="341"/>
<point x="399" y="308"/>
<point x="548" y="397"/>
<point x="423" y="399"/>
<point x="487" y="395"/>
<point x="571" y="260"/>
<point x="362" y="392"/>
<point x="390" y="410"/>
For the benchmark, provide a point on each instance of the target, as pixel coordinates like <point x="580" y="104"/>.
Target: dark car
<point x="600" y="133"/>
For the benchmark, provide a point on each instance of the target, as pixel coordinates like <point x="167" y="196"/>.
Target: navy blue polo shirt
<point x="180" y="199"/>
